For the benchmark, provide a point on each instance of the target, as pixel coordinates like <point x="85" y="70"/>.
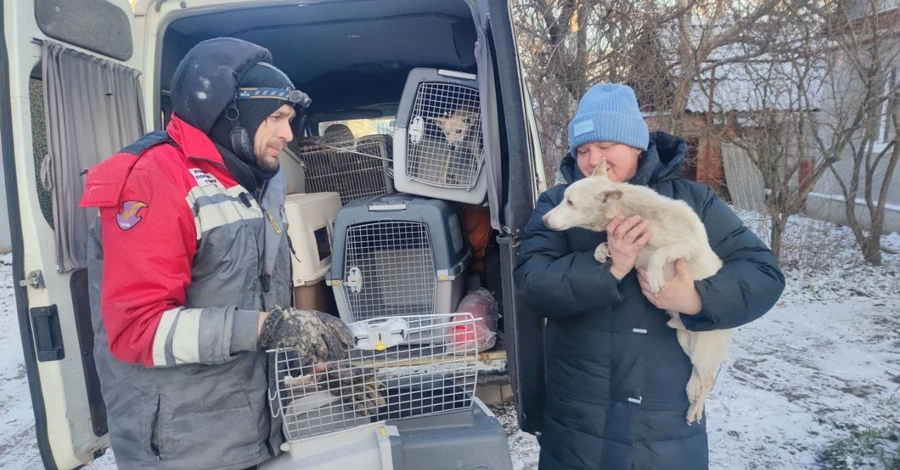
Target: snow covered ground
<point x="823" y="363"/>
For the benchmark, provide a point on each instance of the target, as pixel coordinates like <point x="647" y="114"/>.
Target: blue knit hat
<point x="608" y="112"/>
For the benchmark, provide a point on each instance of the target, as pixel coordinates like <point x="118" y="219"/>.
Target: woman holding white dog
<point x="616" y="375"/>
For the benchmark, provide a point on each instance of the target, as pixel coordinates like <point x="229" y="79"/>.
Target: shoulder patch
<point x="130" y="214"/>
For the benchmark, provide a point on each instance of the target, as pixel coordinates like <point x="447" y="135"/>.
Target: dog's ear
<point x="600" y="169"/>
<point x="607" y="196"/>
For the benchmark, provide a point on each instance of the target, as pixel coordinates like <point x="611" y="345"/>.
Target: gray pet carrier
<point x="397" y="255"/>
<point x="438" y="145"/>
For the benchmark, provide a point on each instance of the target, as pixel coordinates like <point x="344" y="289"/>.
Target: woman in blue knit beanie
<point x="616" y="375"/>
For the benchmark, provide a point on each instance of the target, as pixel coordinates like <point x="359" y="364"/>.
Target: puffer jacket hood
<point x="662" y="161"/>
<point x="207" y="78"/>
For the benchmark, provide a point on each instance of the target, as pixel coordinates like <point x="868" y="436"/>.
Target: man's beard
<point x="266" y="164"/>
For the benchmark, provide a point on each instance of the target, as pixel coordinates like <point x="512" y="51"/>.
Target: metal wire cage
<point x="389" y="269"/>
<point x="381" y="378"/>
<point x="445" y="150"/>
<point x="352" y="168"/>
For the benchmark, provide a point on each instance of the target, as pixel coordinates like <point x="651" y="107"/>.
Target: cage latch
<point x="379" y="334"/>
<point x="354" y="280"/>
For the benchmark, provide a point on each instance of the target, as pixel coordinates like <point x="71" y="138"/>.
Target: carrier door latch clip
<point x="35" y="279"/>
<point x="354" y="280"/>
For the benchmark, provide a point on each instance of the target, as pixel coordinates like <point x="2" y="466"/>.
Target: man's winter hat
<point x="608" y="112"/>
<point x="220" y="72"/>
<point x="206" y="79"/>
<point x="262" y="90"/>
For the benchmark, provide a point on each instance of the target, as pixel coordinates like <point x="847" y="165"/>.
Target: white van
<point x="352" y="57"/>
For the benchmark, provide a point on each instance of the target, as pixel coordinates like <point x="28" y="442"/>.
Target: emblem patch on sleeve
<point x="129" y="216"/>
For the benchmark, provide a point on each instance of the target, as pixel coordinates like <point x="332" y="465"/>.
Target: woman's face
<point x="621" y="160"/>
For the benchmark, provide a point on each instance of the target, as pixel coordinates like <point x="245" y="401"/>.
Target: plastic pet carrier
<point x="397" y="255"/>
<point x="311" y="227"/>
<point x="386" y="405"/>
<point x="352" y="168"/>
<point x="438" y="145"/>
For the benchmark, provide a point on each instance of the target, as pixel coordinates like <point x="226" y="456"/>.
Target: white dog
<point x="678" y="232"/>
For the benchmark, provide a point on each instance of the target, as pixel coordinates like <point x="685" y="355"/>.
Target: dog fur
<point x="460" y="131"/>
<point x="678" y="232"/>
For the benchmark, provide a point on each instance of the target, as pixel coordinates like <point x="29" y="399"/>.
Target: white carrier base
<point x="366" y="447"/>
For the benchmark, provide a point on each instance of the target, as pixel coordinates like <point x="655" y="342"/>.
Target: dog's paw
<point x="695" y="413"/>
<point x="675" y="322"/>
<point x="656" y="279"/>
<point x="601" y="254"/>
<point x="694" y="388"/>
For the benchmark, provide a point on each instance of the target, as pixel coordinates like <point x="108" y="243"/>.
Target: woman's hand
<point x="625" y="239"/>
<point x="678" y="294"/>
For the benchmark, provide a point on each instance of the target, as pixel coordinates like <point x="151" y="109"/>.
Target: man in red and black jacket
<point x="187" y="256"/>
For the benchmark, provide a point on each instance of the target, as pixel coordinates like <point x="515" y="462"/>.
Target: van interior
<point x="353" y="63"/>
<point x="353" y="58"/>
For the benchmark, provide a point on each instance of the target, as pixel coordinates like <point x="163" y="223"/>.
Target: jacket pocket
<point x="211" y="423"/>
<point x="154" y="429"/>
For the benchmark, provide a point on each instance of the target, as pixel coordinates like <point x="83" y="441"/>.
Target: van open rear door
<point x="52" y="296"/>
<point x="522" y="180"/>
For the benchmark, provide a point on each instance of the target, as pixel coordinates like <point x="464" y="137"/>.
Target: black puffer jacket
<point x="616" y="375"/>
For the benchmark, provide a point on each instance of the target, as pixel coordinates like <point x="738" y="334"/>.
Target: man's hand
<point x="625" y="239"/>
<point x="317" y="336"/>
<point x="677" y="294"/>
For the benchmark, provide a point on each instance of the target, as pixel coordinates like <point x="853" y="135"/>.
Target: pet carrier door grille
<point x="380" y="378"/>
<point x="354" y="170"/>
<point x="389" y="270"/>
<point x="449" y="153"/>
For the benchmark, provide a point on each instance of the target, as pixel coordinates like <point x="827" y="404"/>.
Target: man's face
<point x="271" y="137"/>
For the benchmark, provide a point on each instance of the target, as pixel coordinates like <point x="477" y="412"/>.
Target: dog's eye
<point x="568" y="202"/>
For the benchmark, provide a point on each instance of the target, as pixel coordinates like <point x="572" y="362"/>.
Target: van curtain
<point x="93" y="108"/>
<point x="490" y="129"/>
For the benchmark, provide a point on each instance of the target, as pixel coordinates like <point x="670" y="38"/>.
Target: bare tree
<point x="707" y="33"/>
<point x="569" y="45"/>
<point x="865" y="113"/>
<point x="660" y="48"/>
<point x="772" y="104"/>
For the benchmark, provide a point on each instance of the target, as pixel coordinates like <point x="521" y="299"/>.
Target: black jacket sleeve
<point x="554" y="280"/>
<point x="750" y="281"/>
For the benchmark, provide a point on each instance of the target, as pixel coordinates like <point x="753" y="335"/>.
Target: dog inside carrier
<point x="438" y="139"/>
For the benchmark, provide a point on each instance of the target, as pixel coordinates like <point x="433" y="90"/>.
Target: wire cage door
<point x="445" y="138"/>
<point x="389" y="270"/>
<point x="381" y="378"/>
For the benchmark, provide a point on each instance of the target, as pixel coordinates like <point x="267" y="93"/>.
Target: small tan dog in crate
<point x="678" y="232"/>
